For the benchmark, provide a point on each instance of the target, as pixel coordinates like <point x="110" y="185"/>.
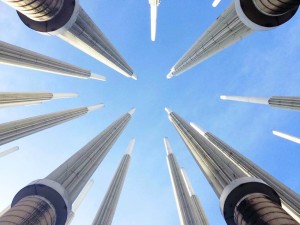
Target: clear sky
<point x="262" y="65"/>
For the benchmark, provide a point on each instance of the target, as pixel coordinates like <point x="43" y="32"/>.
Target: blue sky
<point x="261" y="65"/>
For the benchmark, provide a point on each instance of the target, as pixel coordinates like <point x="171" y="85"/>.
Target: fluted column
<point x="240" y="19"/>
<point x="108" y="206"/>
<point x="8" y="99"/>
<point x="290" y="199"/>
<point x="153" y="17"/>
<point x="292" y="103"/>
<point x="55" y="194"/>
<point x="14" y="130"/>
<point x="67" y="20"/>
<point x="232" y="184"/>
<point x="198" y="209"/>
<point x="20" y="57"/>
<point x="185" y="207"/>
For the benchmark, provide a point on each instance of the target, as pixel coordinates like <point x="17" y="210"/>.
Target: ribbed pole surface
<point x="38" y="10"/>
<point x="218" y="170"/>
<point x="225" y="31"/>
<point x="30" y="210"/>
<point x="77" y="170"/>
<point x="276" y="7"/>
<point x="198" y="209"/>
<point x="8" y="99"/>
<point x="16" y="56"/>
<point x="20" y="128"/>
<point x="184" y="204"/>
<point x="285" y="102"/>
<point x="259" y="209"/>
<point x="85" y="35"/>
<point x="108" y="206"/>
<point x="290" y="198"/>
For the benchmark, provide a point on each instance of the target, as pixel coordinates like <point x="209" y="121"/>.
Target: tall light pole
<point x="109" y="204"/>
<point x="240" y="19"/>
<point x="238" y="192"/>
<point x="67" y="20"/>
<point x="50" y="200"/>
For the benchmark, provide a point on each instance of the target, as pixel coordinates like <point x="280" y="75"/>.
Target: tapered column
<point x="8" y="99"/>
<point x="287" y="136"/>
<point x="292" y="103"/>
<point x="79" y="200"/>
<point x="290" y="199"/>
<point x="108" y="206"/>
<point x="14" y="130"/>
<point x="8" y="151"/>
<point x="198" y="209"/>
<point x="185" y="206"/>
<point x="231" y="184"/>
<point x="240" y="19"/>
<point x="153" y="17"/>
<point x="67" y="20"/>
<point x="20" y="57"/>
<point x="50" y="200"/>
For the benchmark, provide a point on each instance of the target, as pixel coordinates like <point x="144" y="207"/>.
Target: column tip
<point x="167" y="146"/>
<point x="198" y="129"/>
<point x="132" y="111"/>
<point x="130" y="146"/>
<point x="134" y="76"/>
<point x="169" y="75"/>
<point x="168" y="110"/>
<point x="223" y="97"/>
<point x="187" y="182"/>
<point x="94" y="107"/>
<point x="287" y="136"/>
<point x="64" y="95"/>
<point x="97" y="77"/>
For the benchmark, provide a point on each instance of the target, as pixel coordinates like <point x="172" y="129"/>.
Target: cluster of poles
<point x="247" y="193"/>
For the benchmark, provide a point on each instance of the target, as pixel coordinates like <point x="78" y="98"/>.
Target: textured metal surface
<point x="276" y="7"/>
<point x="184" y="203"/>
<point x="225" y="31"/>
<point x="290" y="198"/>
<point x="198" y="210"/>
<point x="16" y="56"/>
<point x="17" y="129"/>
<point x="38" y="10"/>
<point x="219" y="170"/>
<point x="30" y="210"/>
<point x="85" y="35"/>
<point x="259" y="209"/>
<point x="108" y="206"/>
<point x="74" y="173"/>
<point x="285" y="102"/>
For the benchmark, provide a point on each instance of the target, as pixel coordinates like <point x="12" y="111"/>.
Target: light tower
<point x="199" y="211"/>
<point x="108" y="206"/>
<point x="8" y="151"/>
<point x="287" y="136"/>
<point x="8" y="99"/>
<point x="20" y="57"/>
<point x="239" y="194"/>
<point x="290" y="199"/>
<point x="240" y="19"/>
<point x="67" y="20"/>
<point x="14" y="130"/>
<point x="153" y="17"/>
<point x="186" y="201"/>
<point x="292" y="103"/>
<point x="49" y="200"/>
